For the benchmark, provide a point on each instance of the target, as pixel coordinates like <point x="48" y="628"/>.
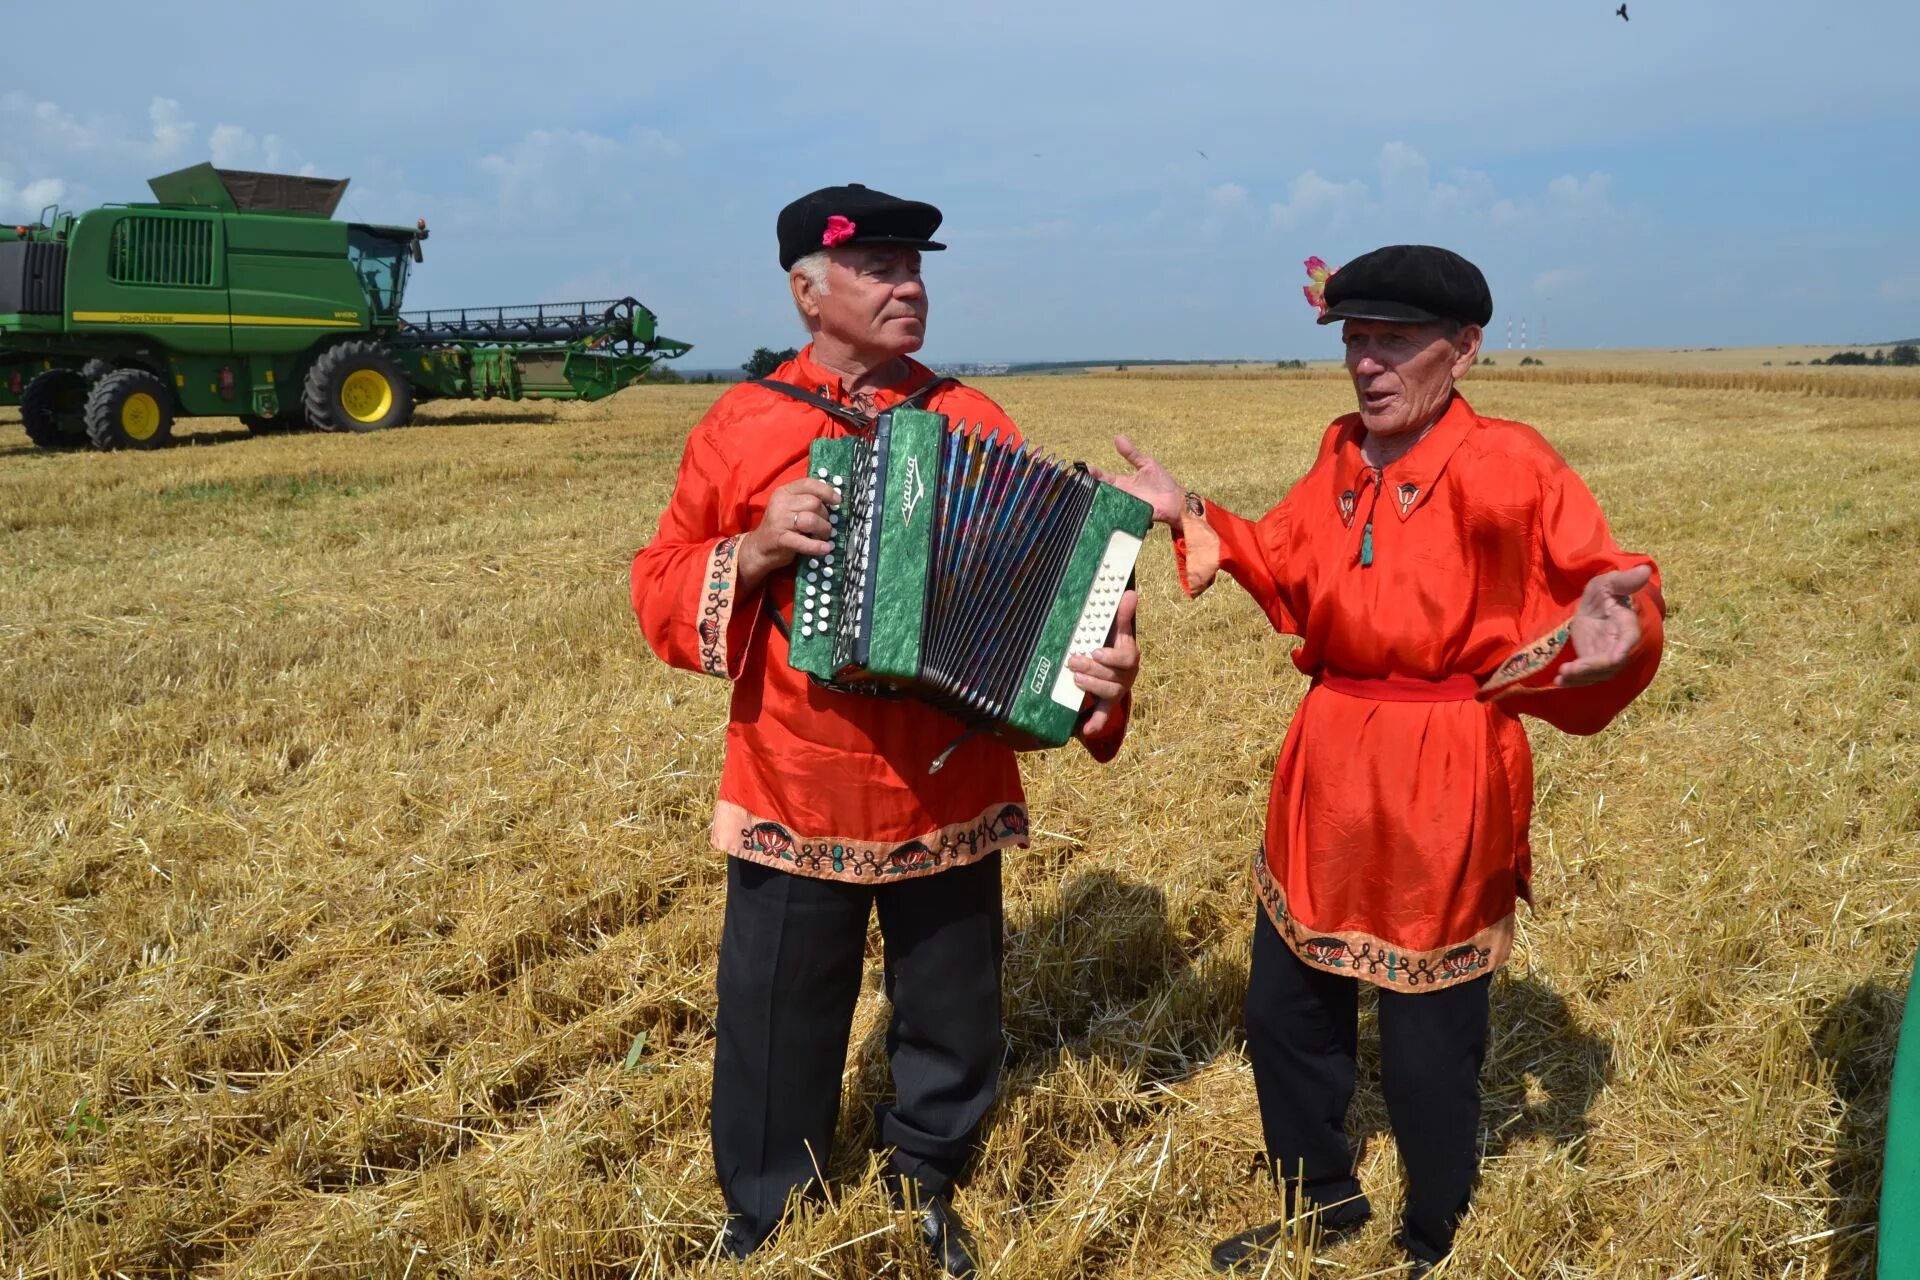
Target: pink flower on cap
<point x="1318" y="272"/>
<point x="838" y="230"/>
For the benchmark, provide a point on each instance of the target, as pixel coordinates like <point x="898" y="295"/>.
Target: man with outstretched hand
<point x="1447" y="573"/>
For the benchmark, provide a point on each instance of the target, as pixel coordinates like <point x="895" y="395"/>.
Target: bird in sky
<point x="1202" y="154"/>
<point x="1622" y="11"/>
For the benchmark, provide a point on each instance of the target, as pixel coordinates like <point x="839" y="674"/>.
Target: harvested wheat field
<point x="356" y="915"/>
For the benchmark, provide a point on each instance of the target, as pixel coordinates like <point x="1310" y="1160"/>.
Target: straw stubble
<point x="355" y="840"/>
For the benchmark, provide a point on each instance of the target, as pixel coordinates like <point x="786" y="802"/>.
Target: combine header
<point x="238" y="294"/>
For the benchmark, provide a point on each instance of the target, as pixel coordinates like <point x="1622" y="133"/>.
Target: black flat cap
<point x="1409" y="284"/>
<point x="854" y="214"/>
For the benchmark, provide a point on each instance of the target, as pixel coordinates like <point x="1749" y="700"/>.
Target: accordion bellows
<point x="964" y="572"/>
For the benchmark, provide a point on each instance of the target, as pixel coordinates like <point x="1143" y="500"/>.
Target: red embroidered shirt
<point x="816" y="781"/>
<point x="1432" y="599"/>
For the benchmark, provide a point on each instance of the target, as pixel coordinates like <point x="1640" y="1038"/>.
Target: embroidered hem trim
<point x="1196" y="552"/>
<point x="742" y="834"/>
<point x="716" y="606"/>
<point x="1526" y="662"/>
<point x="1384" y="964"/>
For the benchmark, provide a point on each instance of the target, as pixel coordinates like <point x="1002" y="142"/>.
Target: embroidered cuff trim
<point x="1526" y="663"/>
<point x="716" y="606"/>
<point x="1196" y="550"/>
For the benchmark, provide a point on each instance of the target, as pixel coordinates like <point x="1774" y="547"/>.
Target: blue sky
<point x="1705" y="174"/>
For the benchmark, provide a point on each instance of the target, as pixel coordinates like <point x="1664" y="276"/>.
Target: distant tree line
<point x="1905" y="354"/>
<point x="661" y="375"/>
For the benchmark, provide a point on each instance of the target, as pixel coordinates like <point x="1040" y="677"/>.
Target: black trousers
<point x="791" y="953"/>
<point x="1302" y="1034"/>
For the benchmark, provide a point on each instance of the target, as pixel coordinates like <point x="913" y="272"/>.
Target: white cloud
<point x="1590" y="196"/>
<point x="26" y="201"/>
<point x="1311" y="195"/>
<point x="1468" y="191"/>
<point x="548" y="172"/>
<point x="229" y="145"/>
<point x="32" y="125"/>
<point x="1403" y="172"/>
<point x="1228" y="197"/>
<point x="233" y="147"/>
<point x="653" y="140"/>
<point x="36" y="132"/>
<point x="1406" y="182"/>
<point x="172" y="131"/>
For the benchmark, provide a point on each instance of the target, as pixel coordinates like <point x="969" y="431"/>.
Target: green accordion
<point x="964" y="572"/>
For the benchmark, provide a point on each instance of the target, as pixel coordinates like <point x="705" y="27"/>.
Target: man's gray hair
<point x="814" y="268"/>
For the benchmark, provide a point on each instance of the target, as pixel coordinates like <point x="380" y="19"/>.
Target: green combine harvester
<point x="238" y="295"/>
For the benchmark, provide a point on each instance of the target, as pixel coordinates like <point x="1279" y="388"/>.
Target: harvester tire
<point x="53" y="409"/>
<point x="357" y="386"/>
<point x="129" y="409"/>
<point x="95" y="369"/>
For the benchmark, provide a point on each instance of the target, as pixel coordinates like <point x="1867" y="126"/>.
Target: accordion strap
<point x="847" y="413"/>
<point x="852" y="417"/>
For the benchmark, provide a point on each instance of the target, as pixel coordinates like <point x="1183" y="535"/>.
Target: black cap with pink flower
<point x="854" y="214"/>
<point x="1403" y="284"/>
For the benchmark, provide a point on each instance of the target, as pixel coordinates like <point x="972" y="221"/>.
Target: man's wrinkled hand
<point x="1605" y="628"/>
<point x="1150" y="482"/>
<point x="1108" y="673"/>
<point x="796" y="523"/>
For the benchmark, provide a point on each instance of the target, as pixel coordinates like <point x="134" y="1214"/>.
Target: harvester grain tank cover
<point x="239" y="189"/>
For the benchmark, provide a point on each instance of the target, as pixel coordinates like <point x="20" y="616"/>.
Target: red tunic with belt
<point x="1432" y="599"/>
<point x="816" y="781"/>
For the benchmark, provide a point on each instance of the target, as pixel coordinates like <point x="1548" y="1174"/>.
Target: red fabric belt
<point x="1402" y="688"/>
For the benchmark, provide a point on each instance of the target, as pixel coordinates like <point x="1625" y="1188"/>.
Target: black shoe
<point x="948" y="1240"/>
<point x="1249" y="1249"/>
<point x="946" y="1236"/>
<point x="734" y="1243"/>
<point x="1422" y="1267"/>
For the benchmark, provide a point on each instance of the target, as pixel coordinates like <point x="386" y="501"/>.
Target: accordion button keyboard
<point x="1096" y="616"/>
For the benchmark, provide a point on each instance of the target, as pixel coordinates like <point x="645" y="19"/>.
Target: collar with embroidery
<point x="1408" y="479"/>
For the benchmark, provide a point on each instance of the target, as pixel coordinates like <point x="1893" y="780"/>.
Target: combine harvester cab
<point x="238" y="294"/>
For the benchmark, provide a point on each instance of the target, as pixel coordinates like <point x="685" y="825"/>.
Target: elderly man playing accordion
<point x="827" y="809"/>
<point x="1447" y="573"/>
